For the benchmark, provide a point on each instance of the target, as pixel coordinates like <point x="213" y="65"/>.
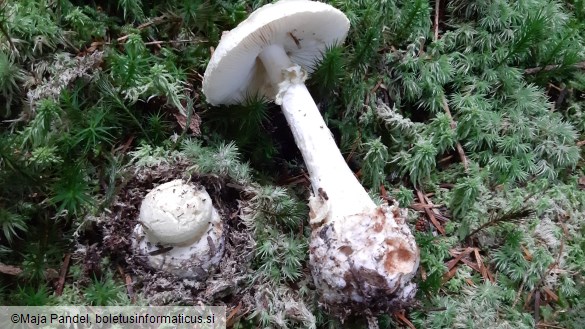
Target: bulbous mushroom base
<point x="364" y="261"/>
<point x="193" y="260"/>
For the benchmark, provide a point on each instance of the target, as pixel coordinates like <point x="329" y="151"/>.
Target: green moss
<point x="92" y="88"/>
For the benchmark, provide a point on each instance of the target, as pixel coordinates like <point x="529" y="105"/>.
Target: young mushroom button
<point x="179" y="230"/>
<point x="359" y="252"/>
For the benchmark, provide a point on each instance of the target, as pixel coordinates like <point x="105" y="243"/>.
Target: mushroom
<point x="359" y="253"/>
<point x="179" y="230"/>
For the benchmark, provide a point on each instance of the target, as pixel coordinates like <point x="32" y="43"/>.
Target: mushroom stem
<point x="329" y="174"/>
<point x="275" y="59"/>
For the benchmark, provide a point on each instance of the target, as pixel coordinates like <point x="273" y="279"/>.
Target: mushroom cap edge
<point x="304" y="29"/>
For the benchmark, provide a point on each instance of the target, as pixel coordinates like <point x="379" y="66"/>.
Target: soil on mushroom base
<point x="110" y="235"/>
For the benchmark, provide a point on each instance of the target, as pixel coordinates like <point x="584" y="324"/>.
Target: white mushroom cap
<point x="303" y="28"/>
<point x="176" y="213"/>
<point x="180" y="231"/>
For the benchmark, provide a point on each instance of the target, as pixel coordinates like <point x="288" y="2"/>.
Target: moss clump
<point x="474" y="120"/>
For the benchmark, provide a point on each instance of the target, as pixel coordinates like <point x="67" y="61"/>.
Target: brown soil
<point x="110" y="234"/>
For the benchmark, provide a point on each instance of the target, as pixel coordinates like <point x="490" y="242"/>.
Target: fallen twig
<point x="173" y="41"/>
<point x="452" y="264"/>
<point x="402" y="318"/>
<point x="128" y="282"/>
<point x="461" y="257"/>
<point x="384" y="194"/>
<point x="519" y="293"/>
<point x="430" y="213"/>
<point x="537" y="306"/>
<point x="50" y="273"/>
<point x="447" y="158"/>
<point x="231" y="318"/>
<point x="62" y="275"/>
<point x="9" y="269"/>
<point x="444" y="99"/>
<point x="545" y="325"/>
<point x="485" y="272"/>
<point x="436" y="23"/>
<point x="154" y="21"/>
<point x="453" y="125"/>
<point x="533" y="70"/>
<point x="550" y="294"/>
